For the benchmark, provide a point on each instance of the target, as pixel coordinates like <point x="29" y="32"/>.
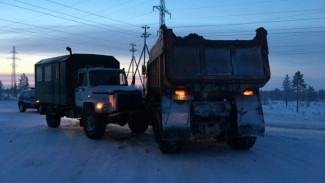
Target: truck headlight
<point x="99" y="105"/>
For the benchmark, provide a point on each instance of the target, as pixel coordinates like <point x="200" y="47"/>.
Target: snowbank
<point x="311" y="116"/>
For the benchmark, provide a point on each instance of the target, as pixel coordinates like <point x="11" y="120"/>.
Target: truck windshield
<point x="107" y="77"/>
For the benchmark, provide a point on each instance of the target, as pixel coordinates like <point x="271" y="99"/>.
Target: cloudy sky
<point x="43" y="28"/>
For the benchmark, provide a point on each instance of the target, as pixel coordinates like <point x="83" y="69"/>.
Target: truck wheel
<point x="240" y="143"/>
<point x="138" y="123"/>
<point x="93" y="124"/>
<point x="231" y="137"/>
<point x="53" y="118"/>
<point x="21" y="107"/>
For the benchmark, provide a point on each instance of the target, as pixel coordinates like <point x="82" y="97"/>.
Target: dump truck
<point x="91" y="88"/>
<point x="207" y="88"/>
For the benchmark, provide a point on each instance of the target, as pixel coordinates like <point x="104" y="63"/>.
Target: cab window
<point x="82" y="79"/>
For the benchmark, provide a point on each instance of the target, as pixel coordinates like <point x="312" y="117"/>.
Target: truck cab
<point x="95" y="85"/>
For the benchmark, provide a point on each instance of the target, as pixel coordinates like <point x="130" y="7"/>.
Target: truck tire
<point x="21" y="107"/>
<point x="138" y="123"/>
<point x="240" y="143"/>
<point x="231" y="137"/>
<point x="93" y="124"/>
<point x="53" y="117"/>
<point x="165" y="146"/>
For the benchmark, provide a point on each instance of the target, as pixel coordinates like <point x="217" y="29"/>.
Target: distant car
<point x="27" y="100"/>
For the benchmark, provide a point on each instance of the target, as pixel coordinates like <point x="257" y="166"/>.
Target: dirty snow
<point x="292" y="150"/>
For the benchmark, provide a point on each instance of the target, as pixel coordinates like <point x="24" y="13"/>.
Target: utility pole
<point x="162" y="11"/>
<point x="13" y="73"/>
<point x="133" y="61"/>
<point x="145" y="35"/>
<point x="145" y="50"/>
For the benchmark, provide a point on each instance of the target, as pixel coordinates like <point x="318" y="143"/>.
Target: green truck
<point x="91" y="88"/>
<point x="207" y="87"/>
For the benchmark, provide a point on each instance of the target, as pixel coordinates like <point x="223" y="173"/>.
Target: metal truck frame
<point x="209" y="87"/>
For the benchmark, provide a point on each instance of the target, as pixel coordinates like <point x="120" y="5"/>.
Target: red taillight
<point x="248" y="92"/>
<point x="180" y="92"/>
<point x="182" y="95"/>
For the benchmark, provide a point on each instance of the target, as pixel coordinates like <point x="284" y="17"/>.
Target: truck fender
<point x="175" y="119"/>
<point x="250" y="120"/>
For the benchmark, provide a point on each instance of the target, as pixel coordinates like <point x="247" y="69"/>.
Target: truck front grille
<point x="128" y="101"/>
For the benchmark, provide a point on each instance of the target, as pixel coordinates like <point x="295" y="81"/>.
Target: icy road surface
<point x="32" y="152"/>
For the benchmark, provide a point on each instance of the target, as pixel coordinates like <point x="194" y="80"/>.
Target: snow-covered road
<point x="32" y="152"/>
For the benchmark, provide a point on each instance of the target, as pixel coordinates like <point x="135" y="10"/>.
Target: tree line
<point x="294" y="89"/>
<point x="13" y="91"/>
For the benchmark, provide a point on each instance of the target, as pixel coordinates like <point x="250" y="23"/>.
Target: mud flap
<point x="250" y="119"/>
<point x="175" y="119"/>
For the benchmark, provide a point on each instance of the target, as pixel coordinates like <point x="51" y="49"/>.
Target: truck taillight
<point x="182" y="95"/>
<point x="180" y="92"/>
<point x="248" y="92"/>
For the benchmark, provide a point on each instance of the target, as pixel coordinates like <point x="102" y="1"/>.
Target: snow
<point x="32" y="152"/>
<point x="310" y="116"/>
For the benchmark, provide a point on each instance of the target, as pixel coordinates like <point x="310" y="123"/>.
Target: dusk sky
<point x="44" y="28"/>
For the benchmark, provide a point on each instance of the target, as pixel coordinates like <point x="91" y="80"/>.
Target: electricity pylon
<point x="162" y="11"/>
<point x="13" y="72"/>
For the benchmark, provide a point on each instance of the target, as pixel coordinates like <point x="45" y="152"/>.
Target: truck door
<point x="56" y="84"/>
<point x="81" y="90"/>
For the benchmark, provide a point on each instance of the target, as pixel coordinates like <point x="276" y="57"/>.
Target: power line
<point x="260" y="13"/>
<point x="247" y="23"/>
<point x="60" y="17"/>
<point x="94" y="14"/>
<point x="314" y="52"/>
<point x="56" y="30"/>
<point x="230" y="4"/>
<point x="77" y="41"/>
